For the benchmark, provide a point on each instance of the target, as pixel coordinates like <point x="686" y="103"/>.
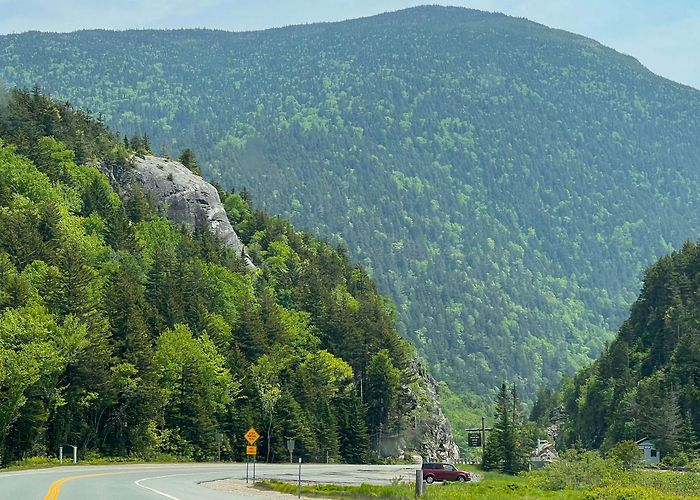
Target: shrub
<point x="627" y="453"/>
<point x="574" y="470"/>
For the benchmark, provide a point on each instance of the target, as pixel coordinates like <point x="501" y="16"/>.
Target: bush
<point x="629" y="492"/>
<point x="676" y="459"/>
<point x="627" y="453"/>
<point x="574" y="470"/>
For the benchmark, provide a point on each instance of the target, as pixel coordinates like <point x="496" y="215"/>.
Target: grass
<point x="640" y="485"/>
<point x="92" y="459"/>
<point x="400" y="490"/>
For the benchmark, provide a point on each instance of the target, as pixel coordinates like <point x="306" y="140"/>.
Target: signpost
<point x="477" y="437"/>
<point x="219" y="440"/>
<point x="290" y="447"/>
<point x="251" y="450"/>
<point x="75" y="453"/>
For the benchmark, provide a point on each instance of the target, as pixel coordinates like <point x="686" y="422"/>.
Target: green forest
<point x="647" y="381"/>
<point x="504" y="183"/>
<point x="127" y="335"/>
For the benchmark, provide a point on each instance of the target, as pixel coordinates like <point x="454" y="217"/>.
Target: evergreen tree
<point x="382" y="386"/>
<point x="665" y="424"/>
<point x="506" y="449"/>
<point x="188" y="159"/>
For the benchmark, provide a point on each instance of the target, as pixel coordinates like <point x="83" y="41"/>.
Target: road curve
<point x="175" y="481"/>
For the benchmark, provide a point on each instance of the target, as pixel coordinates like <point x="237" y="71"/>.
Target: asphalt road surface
<point x="176" y="481"/>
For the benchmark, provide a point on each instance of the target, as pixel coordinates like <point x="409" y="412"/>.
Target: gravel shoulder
<point x="239" y="489"/>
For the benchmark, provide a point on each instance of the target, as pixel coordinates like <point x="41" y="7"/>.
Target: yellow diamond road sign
<point x="251" y="436"/>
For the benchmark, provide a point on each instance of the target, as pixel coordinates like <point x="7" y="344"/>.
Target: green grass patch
<point x="399" y="490"/>
<point x="90" y="459"/>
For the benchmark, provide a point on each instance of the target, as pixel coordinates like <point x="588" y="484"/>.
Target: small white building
<point x="650" y="455"/>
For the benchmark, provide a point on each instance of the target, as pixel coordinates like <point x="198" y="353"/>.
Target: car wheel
<point x="429" y="479"/>
<point x="461" y="479"/>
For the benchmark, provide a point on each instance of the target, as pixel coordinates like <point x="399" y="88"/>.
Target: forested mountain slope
<point x="647" y="381"/>
<point x="126" y="334"/>
<point x="506" y="183"/>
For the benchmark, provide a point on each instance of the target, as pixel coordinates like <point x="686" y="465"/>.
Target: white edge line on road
<point x="138" y="483"/>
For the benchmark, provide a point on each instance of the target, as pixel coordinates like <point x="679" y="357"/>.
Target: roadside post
<point x="60" y="454"/>
<point x="299" y="483"/>
<point x="419" y="483"/>
<point x="219" y="439"/>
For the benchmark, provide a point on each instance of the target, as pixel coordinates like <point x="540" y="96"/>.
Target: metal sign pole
<point x="254" y="456"/>
<point x="247" y="460"/>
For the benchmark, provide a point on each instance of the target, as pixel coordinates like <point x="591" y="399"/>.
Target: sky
<point x="664" y="35"/>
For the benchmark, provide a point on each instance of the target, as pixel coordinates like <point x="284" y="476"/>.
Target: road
<point x="175" y="481"/>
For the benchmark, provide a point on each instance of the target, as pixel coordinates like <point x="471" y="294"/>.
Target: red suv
<point x="443" y="472"/>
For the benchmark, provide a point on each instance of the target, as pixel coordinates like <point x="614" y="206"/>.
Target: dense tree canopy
<point x="647" y="381"/>
<point x="128" y="335"/>
<point x="504" y="182"/>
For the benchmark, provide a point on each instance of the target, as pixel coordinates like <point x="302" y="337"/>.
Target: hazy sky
<point x="663" y="34"/>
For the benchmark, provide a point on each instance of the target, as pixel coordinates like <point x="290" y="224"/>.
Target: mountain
<point x="132" y="325"/>
<point x="647" y="381"/>
<point x="505" y="183"/>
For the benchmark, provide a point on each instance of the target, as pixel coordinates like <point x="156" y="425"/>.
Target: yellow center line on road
<point x="55" y="488"/>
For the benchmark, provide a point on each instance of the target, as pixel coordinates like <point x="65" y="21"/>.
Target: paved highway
<point x="174" y="481"/>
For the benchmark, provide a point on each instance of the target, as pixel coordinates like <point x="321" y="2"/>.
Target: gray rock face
<point x="185" y="196"/>
<point x="430" y="435"/>
<point x="435" y="440"/>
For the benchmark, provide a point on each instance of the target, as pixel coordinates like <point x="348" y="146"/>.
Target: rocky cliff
<point x="433" y="438"/>
<point x="185" y="197"/>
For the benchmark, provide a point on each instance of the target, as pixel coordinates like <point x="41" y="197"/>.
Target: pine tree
<point x="352" y="429"/>
<point x="665" y="424"/>
<point x="505" y="448"/>
<point x="188" y="159"/>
